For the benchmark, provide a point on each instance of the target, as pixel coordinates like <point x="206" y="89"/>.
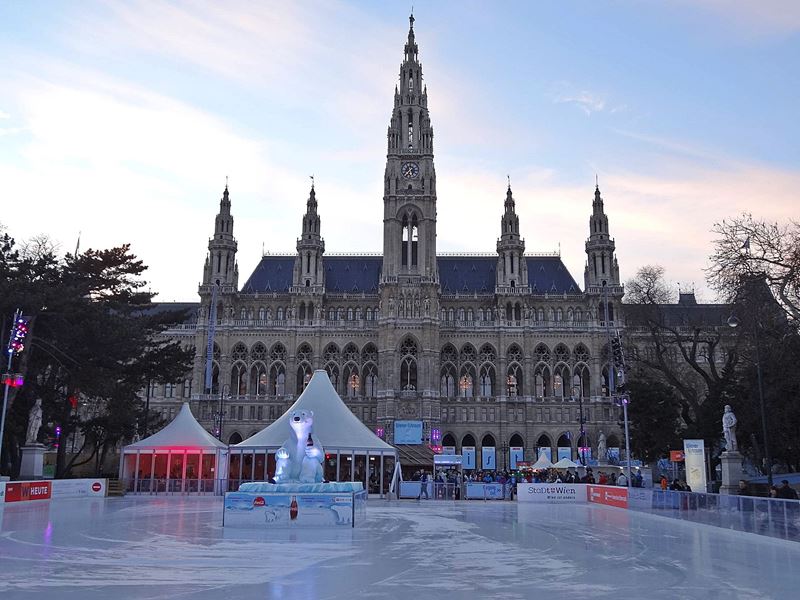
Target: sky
<point x="120" y="121"/>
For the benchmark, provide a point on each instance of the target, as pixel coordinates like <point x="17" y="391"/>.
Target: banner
<point x="262" y="510"/>
<point x="448" y="449"/>
<point x="516" y="454"/>
<point x="571" y="493"/>
<point x="612" y="455"/>
<point x="676" y="456"/>
<point x="468" y="457"/>
<point x="22" y="491"/>
<point x="487" y="458"/>
<point x="564" y="453"/>
<point x="695" y="461"/>
<point x="608" y="495"/>
<point x="546" y="450"/>
<point x="408" y="432"/>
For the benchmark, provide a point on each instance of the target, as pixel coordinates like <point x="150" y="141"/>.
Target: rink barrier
<point x="552" y="493"/>
<point x="52" y="489"/>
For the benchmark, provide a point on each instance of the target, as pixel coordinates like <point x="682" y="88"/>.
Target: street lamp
<point x="733" y="322"/>
<point x="220" y="416"/>
<point x="582" y="435"/>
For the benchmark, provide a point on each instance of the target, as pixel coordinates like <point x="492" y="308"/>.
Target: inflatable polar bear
<point x="300" y="458"/>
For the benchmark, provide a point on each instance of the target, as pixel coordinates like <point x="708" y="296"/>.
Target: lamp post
<point x="733" y="322"/>
<point x="582" y="434"/>
<point x="221" y="412"/>
<point x="612" y="386"/>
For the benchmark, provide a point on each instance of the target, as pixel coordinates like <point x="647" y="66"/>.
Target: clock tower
<point x="409" y="194"/>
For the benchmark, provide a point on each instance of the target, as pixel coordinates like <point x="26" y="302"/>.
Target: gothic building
<point x="488" y="351"/>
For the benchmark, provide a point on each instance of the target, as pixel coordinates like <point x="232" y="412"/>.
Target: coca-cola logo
<point x="259" y="501"/>
<point x="96" y="487"/>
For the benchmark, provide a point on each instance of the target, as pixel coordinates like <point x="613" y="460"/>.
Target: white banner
<point x="78" y="488"/>
<point x="448" y="449"/>
<point x="515" y="454"/>
<point x="552" y="492"/>
<point x="488" y="458"/>
<point x="468" y="457"/>
<point x="695" y="461"/>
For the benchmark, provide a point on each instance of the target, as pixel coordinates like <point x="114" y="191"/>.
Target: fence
<point x="772" y="517"/>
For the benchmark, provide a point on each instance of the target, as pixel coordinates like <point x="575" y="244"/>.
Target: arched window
<point x="243" y="314"/>
<point x="262" y="313"/>
<point x="404" y="246"/>
<point x="279" y="315"/>
<point x="487" y="381"/>
<point x="540" y="314"/>
<point x="369" y="314"/>
<point x="466" y="382"/>
<point x="370" y="381"/>
<point x="349" y="314"/>
<point x="447" y="382"/>
<point x="514" y="379"/>
<point x="414" y="240"/>
<point x="303" y="376"/>
<point x="408" y="365"/>
<point x="460" y="314"/>
<point x="451" y="315"/>
<point x="470" y="315"/>
<point x="331" y="314"/>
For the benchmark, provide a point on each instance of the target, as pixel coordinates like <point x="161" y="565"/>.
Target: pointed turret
<point x="601" y="265"/>
<point x="512" y="270"/>
<point x="220" y="264"/>
<point x="308" y="272"/>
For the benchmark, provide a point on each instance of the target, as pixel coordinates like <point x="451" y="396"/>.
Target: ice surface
<point x="152" y="548"/>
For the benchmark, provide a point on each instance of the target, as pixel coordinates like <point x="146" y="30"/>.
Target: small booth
<point x="182" y="458"/>
<point x="352" y="451"/>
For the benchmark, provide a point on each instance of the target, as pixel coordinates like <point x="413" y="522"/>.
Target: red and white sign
<point x="676" y="455"/>
<point x="259" y="501"/>
<point x="22" y="491"/>
<point x="608" y="495"/>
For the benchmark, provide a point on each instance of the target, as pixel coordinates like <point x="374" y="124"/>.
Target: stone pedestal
<point x="32" y="466"/>
<point x="731" y="472"/>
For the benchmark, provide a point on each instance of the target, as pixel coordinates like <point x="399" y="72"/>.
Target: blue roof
<point x="463" y="274"/>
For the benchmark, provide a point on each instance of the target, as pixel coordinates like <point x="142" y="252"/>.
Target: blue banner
<point x="564" y="453"/>
<point x="488" y="458"/>
<point x="515" y="455"/>
<point x="408" y="432"/>
<point x="468" y="457"/>
<point x="546" y="450"/>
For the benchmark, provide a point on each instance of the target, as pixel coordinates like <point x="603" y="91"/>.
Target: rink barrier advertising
<point x="553" y="493"/>
<point x="267" y="510"/>
<point x="24" y="491"/>
<point x="608" y="495"/>
<point x="484" y="491"/>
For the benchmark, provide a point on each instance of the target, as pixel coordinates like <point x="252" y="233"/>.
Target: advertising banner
<point x="608" y="495"/>
<point x="695" y="461"/>
<point x="515" y="455"/>
<point x="253" y="509"/>
<point x="612" y="455"/>
<point x="640" y="498"/>
<point x="448" y="450"/>
<point x="484" y="491"/>
<point x="22" y="491"/>
<point x="408" y="432"/>
<point x="547" y="451"/>
<point x="571" y="493"/>
<point x="488" y="458"/>
<point x="564" y="453"/>
<point x="78" y="488"/>
<point x="676" y="456"/>
<point x="468" y="457"/>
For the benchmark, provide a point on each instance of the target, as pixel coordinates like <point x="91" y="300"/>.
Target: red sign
<point x="259" y="501"/>
<point x="608" y="495"/>
<point x="27" y="490"/>
<point x="676" y="455"/>
<point x="96" y="487"/>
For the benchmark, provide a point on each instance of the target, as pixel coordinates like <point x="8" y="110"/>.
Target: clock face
<point x="410" y="170"/>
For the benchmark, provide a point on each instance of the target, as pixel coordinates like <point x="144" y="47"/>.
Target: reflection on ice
<point x="176" y="547"/>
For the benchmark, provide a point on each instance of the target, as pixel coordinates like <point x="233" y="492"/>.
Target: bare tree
<point x="749" y="249"/>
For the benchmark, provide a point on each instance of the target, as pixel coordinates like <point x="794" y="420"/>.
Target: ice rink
<point x="120" y="548"/>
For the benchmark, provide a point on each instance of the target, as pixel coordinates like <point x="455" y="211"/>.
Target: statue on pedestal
<point x="34" y="422"/>
<point x="729" y="429"/>
<point x="602" y="451"/>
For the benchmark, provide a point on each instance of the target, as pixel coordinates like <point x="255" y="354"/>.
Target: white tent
<point x="349" y="444"/>
<point x="566" y="463"/>
<point x="182" y="457"/>
<point x="542" y="463"/>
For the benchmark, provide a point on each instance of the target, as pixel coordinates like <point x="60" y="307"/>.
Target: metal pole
<point x="17" y="315"/>
<point x="612" y="387"/>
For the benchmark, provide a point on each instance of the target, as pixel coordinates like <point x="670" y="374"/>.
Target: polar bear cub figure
<point x="300" y="458"/>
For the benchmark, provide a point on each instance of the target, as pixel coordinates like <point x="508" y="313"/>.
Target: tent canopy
<point x="336" y="427"/>
<point x="566" y="463"/>
<point x="183" y="432"/>
<point x="542" y="463"/>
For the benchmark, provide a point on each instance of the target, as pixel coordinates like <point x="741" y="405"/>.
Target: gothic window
<point x="404" y="248"/>
<point x="414" y="240"/>
<point x="465" y="383"/>
<point x="331" y="353"/>
<point x="352" y="380"/>
<point x="370" y="381"/>
<point x="411" y="83"/>
<point x="560" y="379"/>
<point x="460" y="314"/>
<point x="269" y="314"/>
<point x="302" y="311"/>
<point x="278" y="379"/>
<point x="449" y="354"/>
<point x="349" y="314"/>
<point x="542" y="353"/>
<point x="239" y="352"/>
<point x="258" y="379"/>
<point x="514" y="379"/>
<point x="451" y="315"/>
<point x="580" y="382"/>
<point x="468" y="354"/>
<point x="408" y="365"/>
<point x="447" y="383"/>
<point x="278" y="353"/>
<point x="243" y="314"/>
<point x="470" y="316"/>
<point x="581" y="353"/>
<point x="559" y="315"/>
<point x="369" y="314"/>
<point x="340" y="314"/>
<point x="561" y="353"/>
<point x="578" y="314"/>
<point x="239" y="379"/>
<point x="261" y="314"/>
<point x="514" y="354"/>
<point x="487" y="354"/>
<point x="487" y="380"/>
<point x="279" y="314"/>
<point x="540" y="314"/>
<point x="331" y="314"/>
<point x="410" y="132"/>
<point x="187" y="388"/>
<point x="369" y="354"/>
<point x="570" y="314"/>
<point x="169" y="390"/>
<point x="542" y="381"/>
<point x="443" y="314"/>
<point x="333" y="374"/>
<point x="358" y="313"/>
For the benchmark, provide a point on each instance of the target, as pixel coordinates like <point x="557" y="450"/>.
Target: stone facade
<point x="496" y="350"/>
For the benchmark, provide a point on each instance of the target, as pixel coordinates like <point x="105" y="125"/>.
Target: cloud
<point x="4" y="115"/>
<point x="763" y="18"/>
<point x="588" y="102"/>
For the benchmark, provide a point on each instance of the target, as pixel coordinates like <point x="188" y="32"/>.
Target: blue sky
<point x="121" y="120"/>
